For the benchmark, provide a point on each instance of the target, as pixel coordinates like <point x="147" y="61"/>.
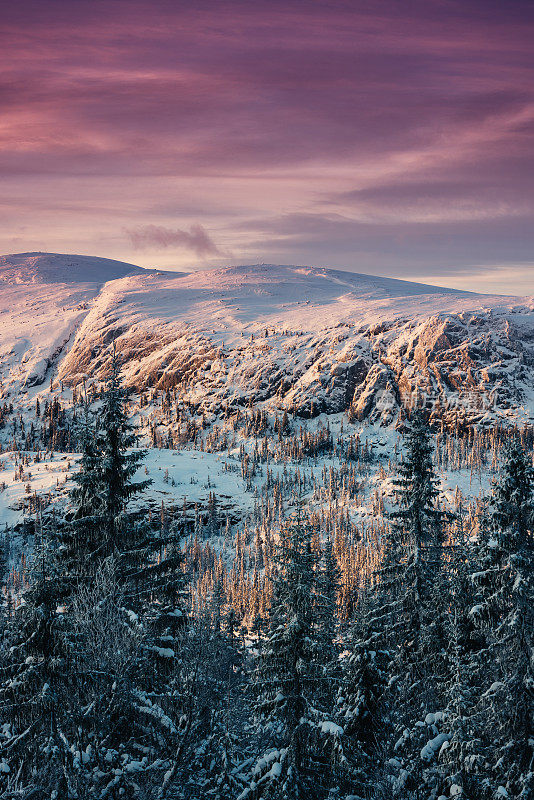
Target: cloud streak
<point x="196" y="239"/>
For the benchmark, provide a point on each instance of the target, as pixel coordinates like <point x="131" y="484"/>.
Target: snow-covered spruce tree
<point x="102" y="703"/>
<point x="301" y="742"/>
<point x="215" y="678"/>
<point x="147" y="556"/>
<point x="142" y="703"/>
<point x="327" y="580"/>
<point x="98" y="526"/>
<point x="456" y="770"/>
<point x="210" y="684"/>
<point x="359" y="698"/>
<point x="417" y="521"/>
<point x="504" y="579"/>
<point x="414" y="554"/>
<point x="107" y="733"/>
<point x="119" y="461"/>
<point x="412" y="601"/>
<point x="82" y="538"/>
<point x="35" y="690"/>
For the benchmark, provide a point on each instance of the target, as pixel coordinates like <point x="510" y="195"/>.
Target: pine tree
<point x="364" y="680"/>
<point x="119" y="461"/>
<point x="84" y="536"/>
<point x="505" y="611"/>
<point x="290" y="684"/>
<point x="409" y="618"/>
<point x="83" y="685"/>
<point x="147" y="558"/>
<point x="416" y="537"/>
<point x="457" y="771"/>
<point x="325" y="606"/>
<point x="35" y="686"/>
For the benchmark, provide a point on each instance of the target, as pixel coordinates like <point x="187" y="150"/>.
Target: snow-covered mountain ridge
<point x="307" y="339"/>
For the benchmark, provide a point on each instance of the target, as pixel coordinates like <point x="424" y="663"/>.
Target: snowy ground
<point x="191" y="475"/>
<point x="175" y="475"/>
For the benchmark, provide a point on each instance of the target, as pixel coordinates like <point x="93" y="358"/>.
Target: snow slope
<point x="236" y="299"/>
<point x="43" y="298"/>
<point x="308" y="339"/>
<point x="62" y="268"/>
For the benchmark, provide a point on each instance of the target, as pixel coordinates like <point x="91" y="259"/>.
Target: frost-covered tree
<point x="209" y="688"/>
<point x="83" y="536"/>
<point x="411" y="573"/>
<point x="360" y="697"/>
<point x="103" y="484"/>
<point x="504" y="610"/>
<point x="325" y="623"/>
<point x="303" y="740"/>
<point x="120" y="461"/>
<point x="88" y="704"/>
<point x="457" y="771"/>
<point x="417" y="520"/>
<point x="35" y="688"/>
<point x="409" y="619"/>
<point x="147" y="556"/>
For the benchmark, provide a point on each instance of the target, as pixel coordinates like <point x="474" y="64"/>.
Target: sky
<point x="385" y="137"/>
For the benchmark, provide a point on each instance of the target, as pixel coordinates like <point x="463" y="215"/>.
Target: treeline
<point x="117" y="682"/>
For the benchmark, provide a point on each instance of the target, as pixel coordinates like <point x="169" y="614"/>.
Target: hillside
<point x="44" y="297"/>
<point x="308" y="340"/>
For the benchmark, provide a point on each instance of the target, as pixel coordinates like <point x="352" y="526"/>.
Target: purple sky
<point x="394" y="138"/>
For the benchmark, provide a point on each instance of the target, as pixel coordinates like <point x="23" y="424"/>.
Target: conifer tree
<point x="81" y="685"/>
<point x="327" y="579"/>
<point x="305" y="742"/>
<point x="505" y="611"/>
<point x="461" y="760"/>
<point x="35" y="686"/>
<point x="84" y="535"/>
<point x="119" y="461"/>
<point x="414" y="550"/>
<point x="364" y="679"/>
<point x="408" y="619"/>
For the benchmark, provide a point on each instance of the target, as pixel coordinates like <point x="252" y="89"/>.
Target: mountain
<point x="305" y="339"/>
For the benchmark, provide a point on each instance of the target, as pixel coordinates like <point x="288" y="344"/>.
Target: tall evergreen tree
<point x="409" y="618"/>
<point x="327" y="580"/>
<point x="83" y="536"/>
<point x="414" y="547"/>
<point x="119" y="461"/>
<point x="35" y="688"/>
<point x="460" y="762"/>
<point x="417" y="520"/>
<point x="364" y="680"/>
<point x="78" y="681"/>
<point x="505" y="610"/>
<point x="304" y="741"/>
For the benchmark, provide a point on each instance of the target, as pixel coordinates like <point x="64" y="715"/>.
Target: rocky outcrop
<point x="473" y="366"/>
